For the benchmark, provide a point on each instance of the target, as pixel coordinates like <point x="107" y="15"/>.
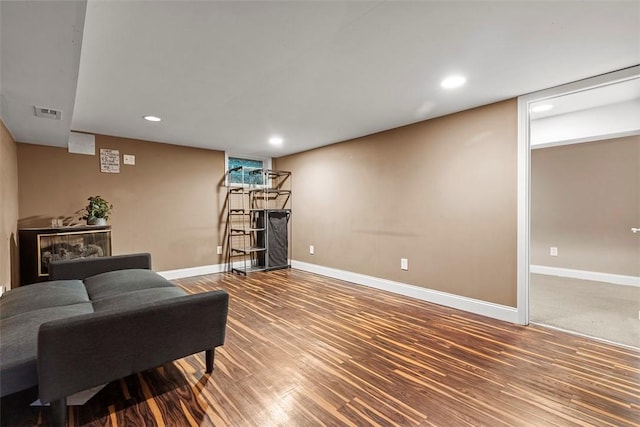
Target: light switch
<point x="129" y="159"/>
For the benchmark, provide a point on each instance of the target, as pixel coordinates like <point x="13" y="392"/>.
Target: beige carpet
<point x="600" y="310"/>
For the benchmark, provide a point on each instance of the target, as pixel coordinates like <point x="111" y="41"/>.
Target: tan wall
<point x="8" y="209"/>
<point x="168" y="204"/>
<point x="584" y="200"/>
<point x="441" y="193"/>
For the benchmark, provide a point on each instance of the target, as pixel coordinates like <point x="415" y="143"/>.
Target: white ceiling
<point x="39" y="56"/>
<point x="228" y="75"/>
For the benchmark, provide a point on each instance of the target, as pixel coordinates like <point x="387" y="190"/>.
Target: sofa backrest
<point x="86" y="267"/>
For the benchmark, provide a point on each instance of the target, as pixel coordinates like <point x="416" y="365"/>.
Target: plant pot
<point x="97" y="221"/>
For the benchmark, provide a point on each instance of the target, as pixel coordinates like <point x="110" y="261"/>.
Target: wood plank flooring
<point x="306" y="350"/>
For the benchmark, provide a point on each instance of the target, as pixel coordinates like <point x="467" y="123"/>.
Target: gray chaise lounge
<point x="99" y="320"/>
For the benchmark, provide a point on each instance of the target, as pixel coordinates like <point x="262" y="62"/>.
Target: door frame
<point x="524" y="171"/>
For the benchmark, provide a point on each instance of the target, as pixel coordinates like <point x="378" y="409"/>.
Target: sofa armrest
<point x="85" y="351"/>
<point x="82" y="268"/>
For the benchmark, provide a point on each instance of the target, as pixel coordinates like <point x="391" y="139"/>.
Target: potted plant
<point x="97" y="211"/>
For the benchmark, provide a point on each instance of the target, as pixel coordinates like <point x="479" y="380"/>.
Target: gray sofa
<point x="98" y="320"/>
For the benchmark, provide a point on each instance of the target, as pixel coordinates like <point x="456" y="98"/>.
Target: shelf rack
<point x="258" y="220"/>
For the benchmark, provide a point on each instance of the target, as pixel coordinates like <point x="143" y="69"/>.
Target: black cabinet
<point x="40" y="246"/>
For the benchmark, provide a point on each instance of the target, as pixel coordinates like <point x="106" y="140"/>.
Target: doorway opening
<point x="579" y="201"/>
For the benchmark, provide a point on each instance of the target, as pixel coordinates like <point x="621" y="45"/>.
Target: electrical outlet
<point x="311" y="249"/>
<point x="553" y="251"/>
<point x="404" y="264"/>
<point x="219" y="250"/>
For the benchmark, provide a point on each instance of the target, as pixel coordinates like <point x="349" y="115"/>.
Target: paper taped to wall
<point x="109" y="160"/>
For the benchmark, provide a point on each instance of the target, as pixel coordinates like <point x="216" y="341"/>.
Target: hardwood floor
<point x="304" y="350"/>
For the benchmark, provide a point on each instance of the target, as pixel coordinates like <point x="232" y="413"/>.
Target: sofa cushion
<point x="137" y="298"/>
<point x="19" y="336"/>
<point x="22" y="311"/>
<point x="113" y="283"/>
<point x="42" y="295"/>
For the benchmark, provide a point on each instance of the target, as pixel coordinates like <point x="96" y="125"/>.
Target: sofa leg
<point x="209" y="355"/>
<point x="59" y="412"/>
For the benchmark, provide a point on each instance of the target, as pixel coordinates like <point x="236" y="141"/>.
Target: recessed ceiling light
<point x="276" y="140"/>
<point x="453" y="82"/>
<point x="152" y="118"/>
<point x="540" y="108"/>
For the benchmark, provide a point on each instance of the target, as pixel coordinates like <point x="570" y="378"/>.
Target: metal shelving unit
<point x="258" y="226"/>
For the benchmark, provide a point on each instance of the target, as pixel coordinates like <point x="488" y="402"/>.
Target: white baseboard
<point x="617" y="279"/>
<point x="496" y="311"/>
<point x="181" y="273"/>
<point x="193" y="271"/>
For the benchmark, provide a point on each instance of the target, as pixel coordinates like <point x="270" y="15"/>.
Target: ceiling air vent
<point x="48" y="113"/>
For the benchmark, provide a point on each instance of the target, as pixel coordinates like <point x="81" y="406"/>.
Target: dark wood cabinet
<point x="40" y="246"/>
